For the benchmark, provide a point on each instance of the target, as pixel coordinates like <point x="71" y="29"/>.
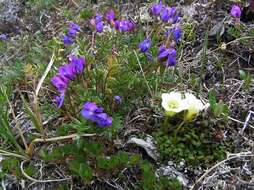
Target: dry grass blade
<point x="44" y="76"/>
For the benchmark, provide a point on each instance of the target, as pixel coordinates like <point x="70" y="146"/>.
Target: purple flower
<point x="3" y="37"/>
<point x="90" y="109"/>
<point x="131" y="26"/>
<point x="110" y="15"/>
<point x="98" y="18"/>
<point x="97" y="22"/>
<point x="145" y="45"/>
<point x="156" y="8"/>
<point x="174" y="18"/>
<point x="59" y="100"/>
<point x="60" y="82"/>
<point x="99" y="26"/>
<point x="165" y="15"/>
<point x="67" y="40"/>
<point x="73" y="29"/>
<point x="169" y="54"/>
<point x="77" y="64"/>
<point x="103" y="120"/>
<point x="95" y="113"/>
<point x="235" y="11"/>
<point x="124" y="25"/>
<point x="117" y="99"/>
<point x="74" y="26"/>
<point x="72" y="33"/>
<point x="176" y="32"/>
<point x="67" y="71"/>
<point x="171" y="61"/>
<point x="117" y="25"/>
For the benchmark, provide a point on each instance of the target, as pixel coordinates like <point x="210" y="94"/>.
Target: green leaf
<point x="81" y="169"/>
<point x="5" y="129"/>
<point x="212" y="99"/>
<point x="35" y="120"/>
<point x="242" y="74"/>
<point x="86" y="13"/>
<point x="220" y="109"/>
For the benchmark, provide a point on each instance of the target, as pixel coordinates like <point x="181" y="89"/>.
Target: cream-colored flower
<point x="173" y="103"/>
<point x="194" y="106"/>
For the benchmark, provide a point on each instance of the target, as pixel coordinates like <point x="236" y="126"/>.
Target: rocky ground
<point x="226" y="55"/>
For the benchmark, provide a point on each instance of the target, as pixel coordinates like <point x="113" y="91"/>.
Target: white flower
<point x="173" y="103"/>
<point x="194" y="106"/>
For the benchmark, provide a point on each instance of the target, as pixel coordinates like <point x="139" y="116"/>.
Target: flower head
<point x="156" y="8"/>
<point x="172" y="103"/>
<point x="130" y="26"/>
<point x="145" y="45"/>
<point x="117" y="99"/>
<point x="175" y="32"/>
<point x="117" y="25"/>
<point x="67" y="40"/>
<point x="74" y="26"/>
<point x="98" y="17"/>
<point x="167" y="56"/>
<point x="174" y="18"/>
<point x="73" y="29"/>
<point x="95" y="114"/>
<point x="124" y="25"/>
<point x="77" y="64"/>
<point x="235" y="11"/>
<point x="194" y="106"/>
<point x="97" y="22"/>
<point x="60" y="82"/>
<point x="59" y="100"/>
<point x="99" y="26"/>
<point x="110" y="15"/>
<point x="165" y="15"/>
<point x="67" y="71"/>
<point x="3" y="37"/>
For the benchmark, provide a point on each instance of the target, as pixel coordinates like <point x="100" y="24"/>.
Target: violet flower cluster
<point x="167" y="53"/>
<point x="68" y="38"/>
<point x="67" y="73"/>
<point x="167" y="14"/>
<point x="118" y="25"/>
<point x="98" y="22"/>
<point x="96" y="114"/>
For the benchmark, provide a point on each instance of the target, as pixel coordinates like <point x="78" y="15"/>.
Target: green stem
<point x="177" y="130"/>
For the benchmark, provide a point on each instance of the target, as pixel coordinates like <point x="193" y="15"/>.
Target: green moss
<point x="195" y="144"/>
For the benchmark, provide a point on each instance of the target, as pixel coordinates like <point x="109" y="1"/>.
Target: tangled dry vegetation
<point x="108" y="128"/>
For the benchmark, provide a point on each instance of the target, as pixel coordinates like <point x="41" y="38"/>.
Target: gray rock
<point x="147" y="144"/>
<point x="172" y="172"/>
<point x="9" y="15"/>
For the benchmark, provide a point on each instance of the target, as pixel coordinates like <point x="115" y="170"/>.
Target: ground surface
<point x="221" y="64"/>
